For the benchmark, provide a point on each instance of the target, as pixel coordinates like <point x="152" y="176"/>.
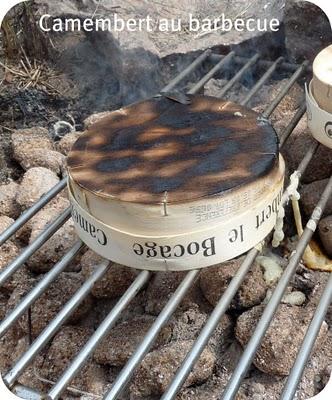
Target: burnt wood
<point x="161" y="150"/>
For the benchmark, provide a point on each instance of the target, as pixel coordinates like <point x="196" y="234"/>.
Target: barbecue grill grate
<point x="59" y="387"/>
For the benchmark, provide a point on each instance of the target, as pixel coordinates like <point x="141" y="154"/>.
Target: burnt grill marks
<point x="159" y="145"/>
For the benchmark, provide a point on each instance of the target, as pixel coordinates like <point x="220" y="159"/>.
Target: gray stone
<point x="28" y="145"/>
<point x="188" y="324"/>
<point x="115" y="281"/>
<point x="30" y="138"/>
<point x="36" y="182"/>
<point x="60" y="242"/>
<point x="158" y="368"/>
<point x="50" y="159"/>
<point x="310" y="195"/>
<point x="5" y="222"/>
<point x="8" y="252"/>
<point x="282" y="340"/>
<point x="326" y="375"/>
<point x="94" y="118"/>
<point x="295" y="298"/>
<point x="8" y="204"/>
<point x="64" y="347"/>
<point x="48" y="305"/>
<point x="10" y="345"/>
<point x="215" y="280"/>
<point x="120" y="344"/>
<point x="66" y="143"/>
<point x="3" y="304"/>
<point x="162" y="286"/>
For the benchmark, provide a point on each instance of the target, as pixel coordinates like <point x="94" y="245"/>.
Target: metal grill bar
<point x="128" y="370"/>
<point x="30" y="212"/>
<point x="239" y="75"/>
<point x="308" y="343"/>
<point x="200" y="84"/>
<point x="98" y="336"/>
<point x="285" y="66"/>
<point x="262" y="81"/>
<point x="53" y="327"/>
<point x="301" y="70"/>
<point x="187" y="71"/>
<point x="307" y="158"/>
<point x="40" y="288"/>
<point x="270" y="309"/>
<point x="295" y="120"/>
<point x="33" y="247"/>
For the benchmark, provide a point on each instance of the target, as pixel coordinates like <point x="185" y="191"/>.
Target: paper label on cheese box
<point x="319" y="121"/>
<point x="188" y="250"/>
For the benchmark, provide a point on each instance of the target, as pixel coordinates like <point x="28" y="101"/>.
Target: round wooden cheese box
<point x="163" y="185"/>
<point x="322" y="79"/>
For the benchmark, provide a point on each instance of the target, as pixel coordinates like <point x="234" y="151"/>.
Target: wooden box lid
<point x="161" y="147"/>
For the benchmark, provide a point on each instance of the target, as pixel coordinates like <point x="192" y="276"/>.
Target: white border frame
<point x="326" y="6"/>
<point x="6" y="5"/>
